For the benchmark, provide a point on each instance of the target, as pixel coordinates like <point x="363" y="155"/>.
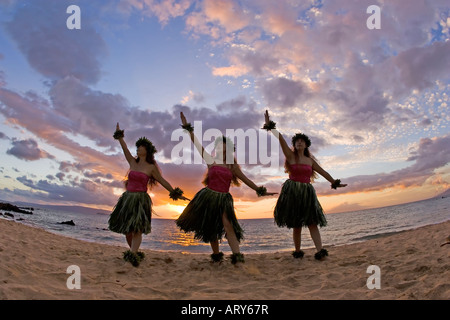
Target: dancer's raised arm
<point x="188" y="127"/>
<point x="270" y="126"/>
<point x="119" y="134"/>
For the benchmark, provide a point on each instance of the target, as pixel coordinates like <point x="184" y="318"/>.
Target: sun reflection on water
<point x="184" y="239"/>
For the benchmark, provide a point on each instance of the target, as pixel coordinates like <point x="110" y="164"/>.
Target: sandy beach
<point x="412" y="265"/>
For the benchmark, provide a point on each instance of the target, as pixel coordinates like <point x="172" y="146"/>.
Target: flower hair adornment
<point x="303" y="137"/>
<point x="143" y="141"/>
<point x="261" y="191"/>
<point x="188" y="127"/>
<point x="269" y="126"/>
<point x="118" y="134"/>
<point x="176" y="194"/>
<point x="336" y="183"/>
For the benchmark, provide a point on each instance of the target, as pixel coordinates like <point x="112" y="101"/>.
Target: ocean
<point x="261" y="235"/>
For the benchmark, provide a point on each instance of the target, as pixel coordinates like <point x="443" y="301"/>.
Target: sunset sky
<point x="373" y="101"/>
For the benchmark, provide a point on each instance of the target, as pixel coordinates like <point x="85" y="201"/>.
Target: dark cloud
<point x="39" y="29"/>
<point x="83" y="110"/>
<point x="66" y="166"/>
<point x="284" y="92"/>
<point x="416" y="68"/>
<point x="2" y="76"/>
<point x="27" y="150"/>
<point x="235" y="105"/>
<point x="198" y="97"/>
<point x="357" y="138"/>
<point x="426" y="122"/>
<point x="84" y="192"/>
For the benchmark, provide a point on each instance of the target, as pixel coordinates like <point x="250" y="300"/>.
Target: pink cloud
<point x="231" y="71"/>
<point x="281" y="17"/>
<point x="217" y="18"/>
<point x="166" y="10"/>
<point x="227" y="13"/>
<point x="326" y="55"/>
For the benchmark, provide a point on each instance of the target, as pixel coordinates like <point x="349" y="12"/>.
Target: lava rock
<point x="70" y="223"/>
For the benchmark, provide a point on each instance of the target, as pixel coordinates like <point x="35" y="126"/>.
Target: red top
<point x="219" y="178"/>
<point x="137" y="181"/>
<point x="300" y="172"/>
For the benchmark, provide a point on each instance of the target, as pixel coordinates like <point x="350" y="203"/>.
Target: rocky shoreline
<point x="25" y="210"/>
<point x="11" y="207"/>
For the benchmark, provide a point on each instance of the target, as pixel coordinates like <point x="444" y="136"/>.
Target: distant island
<point x="76" y="209"/>
<point x="444" y="194"/>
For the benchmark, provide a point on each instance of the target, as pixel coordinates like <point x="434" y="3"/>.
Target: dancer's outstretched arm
<point x="158" y="177"/>
<point x="326" y="175"/>
<point x="205" y="155"/>
<point x="288" y="153"/>
<point x="126" y="152"/>
<point x="238" y="172"/>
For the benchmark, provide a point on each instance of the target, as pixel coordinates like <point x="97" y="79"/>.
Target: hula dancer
<point x="297" y="205"/>
<point x="133" y="212"/>
<point x="210" y="214"/>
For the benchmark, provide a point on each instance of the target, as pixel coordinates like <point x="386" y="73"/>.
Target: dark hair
<point x="306" y="152"/>
<point x="150" y="158"/>
<point x="303" y="137"/>
<point x="151" y="150"/>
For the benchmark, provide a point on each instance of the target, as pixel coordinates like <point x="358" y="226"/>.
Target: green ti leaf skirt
<point x="132" y="213"/>
<point x="298" y="206"/>
<point x="203" y="216"/>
